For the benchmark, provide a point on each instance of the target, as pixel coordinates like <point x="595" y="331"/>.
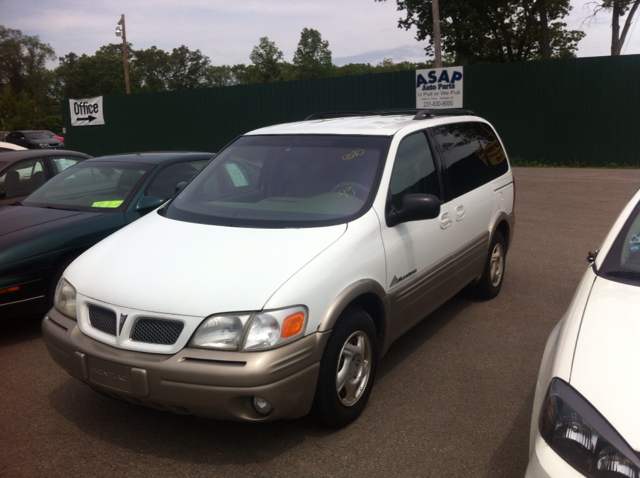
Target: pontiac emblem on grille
<point x="123" y="319"/>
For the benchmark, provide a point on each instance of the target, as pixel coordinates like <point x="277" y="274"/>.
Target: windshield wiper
<point x="624" y="275"/>
<point x="62" y="208"/>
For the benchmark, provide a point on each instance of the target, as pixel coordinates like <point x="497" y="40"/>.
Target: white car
<point x="271" y="284"/>
<point x="586" y="420"/>
<point x="10" y="147"/>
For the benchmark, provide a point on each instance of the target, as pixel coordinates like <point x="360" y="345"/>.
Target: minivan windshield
<point x="285" y="181"/>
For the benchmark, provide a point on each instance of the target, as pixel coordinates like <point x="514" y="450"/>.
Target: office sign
<point x="86" y="112"/>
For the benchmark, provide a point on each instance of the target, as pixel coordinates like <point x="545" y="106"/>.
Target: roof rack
<point x="420" y="114"/>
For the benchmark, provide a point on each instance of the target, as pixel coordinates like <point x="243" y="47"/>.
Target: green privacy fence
<point x="582" y="111"/>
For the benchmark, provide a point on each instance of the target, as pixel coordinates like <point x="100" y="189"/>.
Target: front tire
<point x="347" y="370"/>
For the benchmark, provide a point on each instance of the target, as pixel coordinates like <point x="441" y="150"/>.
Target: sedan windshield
<point x="622" y="263"/>
<point x="90" y="186"/>
<point x="36" y="135"/>
<point x="285" y="181"/>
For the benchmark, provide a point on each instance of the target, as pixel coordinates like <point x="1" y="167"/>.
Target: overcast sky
<point x="226" y="31"/>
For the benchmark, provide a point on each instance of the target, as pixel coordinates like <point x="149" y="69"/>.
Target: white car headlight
<point x="65" y="299"/>
<point x="577" y="432"/>
<point x="220" y="332"/>
<point x="255" y="331"/>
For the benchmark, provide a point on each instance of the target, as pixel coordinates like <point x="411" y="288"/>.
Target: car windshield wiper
<point x="624" y="275"/>
<point x="62" y="208"/>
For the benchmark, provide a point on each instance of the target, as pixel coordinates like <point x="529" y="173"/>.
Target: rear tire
<point x="490" y="283"/>
<point x="347" y="370"/>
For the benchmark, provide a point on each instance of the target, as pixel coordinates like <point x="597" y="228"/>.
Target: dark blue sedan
<point x="82" y="205"/>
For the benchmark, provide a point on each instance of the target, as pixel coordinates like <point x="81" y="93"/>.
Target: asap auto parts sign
<point x="439" y="88"/>
<point x="86" y="112"/>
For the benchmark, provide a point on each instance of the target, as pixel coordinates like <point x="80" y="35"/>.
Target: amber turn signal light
<point x="292" y="325"/>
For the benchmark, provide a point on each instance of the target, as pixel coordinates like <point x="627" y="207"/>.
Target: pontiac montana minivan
<point x="270" y="286"/>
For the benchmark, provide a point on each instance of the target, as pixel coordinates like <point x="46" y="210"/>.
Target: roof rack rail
<point x="419" y="113"/>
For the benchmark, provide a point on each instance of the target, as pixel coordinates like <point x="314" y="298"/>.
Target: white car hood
<point x="605" y="367"/>
<point x="168" y="266"/>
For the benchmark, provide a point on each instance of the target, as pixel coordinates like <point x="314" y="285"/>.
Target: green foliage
<point x="312" y="58"/>
<point x="25" y="101"/>
<point x="149" y="70"/>
<point x="266" y="58"/>
<point x="385" y="66"/>
<point x="53" y="123"/>
<point x="188" y="69"/>
<point x="494" y="31"/>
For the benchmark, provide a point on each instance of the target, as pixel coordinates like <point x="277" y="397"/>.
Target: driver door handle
<point x="445" y="220"/>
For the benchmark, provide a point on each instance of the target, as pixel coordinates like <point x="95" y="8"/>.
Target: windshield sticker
<point x="353" y="154"/>
<point x="634" y="248"/>
<point x="346" y="191"/>
<point x="106" y="204"/>
<point x="635" y="239"/>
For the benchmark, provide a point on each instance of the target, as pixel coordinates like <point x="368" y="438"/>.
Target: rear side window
<point x="63" y="162"/>
<point x="472" y="155"/>
<point x="22" y="178"/>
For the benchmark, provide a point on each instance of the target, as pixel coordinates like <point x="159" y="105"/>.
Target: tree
<point x="312" y="58"/>
<point x="495" y="30"/>
<point x="266" y="58"/>
<point x="150" y="70"/>
<point x="24" y="80"/>
<point x="23" y="62"/>
<point x="88" y="76"/>
<point x="188" y="69"/>
<point x="618" y="9"/>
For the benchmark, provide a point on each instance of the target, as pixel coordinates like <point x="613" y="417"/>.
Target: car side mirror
<point x="146" y="203"/>
<point x="415" y="207"/>
<point x="180" y="186"/>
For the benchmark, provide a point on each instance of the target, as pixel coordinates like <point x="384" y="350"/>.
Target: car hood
<point x="49" y="141"/>
<point x="607" y="356"/>
<point x="167" y="266"/>
<point x="34" y="231"/>
<point x="20" y="218"/>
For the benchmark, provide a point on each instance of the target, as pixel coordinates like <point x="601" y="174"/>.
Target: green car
<point x="43" y="234"/>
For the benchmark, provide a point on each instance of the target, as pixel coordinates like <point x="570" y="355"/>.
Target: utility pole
<point x="436" y="32"/>
<point x="122" y="31"/>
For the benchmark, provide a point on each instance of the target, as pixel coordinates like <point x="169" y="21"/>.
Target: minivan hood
<point x="167" y="266"/>
<point x="607" y="356"/>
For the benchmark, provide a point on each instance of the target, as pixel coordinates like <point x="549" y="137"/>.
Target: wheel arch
<point x="369" y="296"/>
<point x="504" y="224"/>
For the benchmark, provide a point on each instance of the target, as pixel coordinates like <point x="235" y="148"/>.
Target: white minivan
<point x="271" y="284"/>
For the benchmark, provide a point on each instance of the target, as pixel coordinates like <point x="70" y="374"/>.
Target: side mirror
<point x="415" y="207"/>
<point x="180" y="186"/>
<point x="147" y="203"/>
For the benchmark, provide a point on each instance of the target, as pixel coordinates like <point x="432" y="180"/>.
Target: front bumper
<point x="207" y="383"/>
<point x="546" y="463"/>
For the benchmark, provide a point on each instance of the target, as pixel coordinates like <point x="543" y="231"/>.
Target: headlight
<point x="577" y="432"/>
<point x="65" y="299"/>
<point x="220" y="332"/>
<point x="254" y="331"/>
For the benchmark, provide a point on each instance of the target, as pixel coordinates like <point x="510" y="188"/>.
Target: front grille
<point x="156" y="331"/>
<point x="102" y="319"/>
